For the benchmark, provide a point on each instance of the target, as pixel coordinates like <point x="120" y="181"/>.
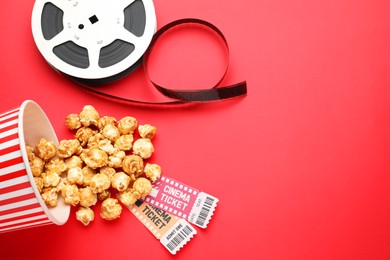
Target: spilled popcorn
<point x="104" y="159"/>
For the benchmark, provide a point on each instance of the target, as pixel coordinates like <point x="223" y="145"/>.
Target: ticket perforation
<point x="204" y="213"/>
<point x="181" y="233"/>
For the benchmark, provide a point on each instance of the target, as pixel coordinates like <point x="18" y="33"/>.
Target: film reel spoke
<point x="60" y="38"/>
<point x="127" y="36"/>
<point x="93" y="56"/>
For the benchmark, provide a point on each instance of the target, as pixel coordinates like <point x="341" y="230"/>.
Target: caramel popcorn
<point x="124" y="142"/>
<point x="50" y="197"/>
<point x="71" y="194"/>
<point x="94" y="140"/>
<point x="75" y="176"/>
<point x="85" y="215"/>
<point x="152" y="171"/>
<point x="74" y="162"/>
<point x="133" y="165"/>
<point x="114" y="162"/>
<point x="143" y="186"/>
<point x="30" y="152"/>
<point x="143" y="147"/>
<point x="88" y="173"/>
<point x="45" y="149"/>
<point x="37" y="165"/>
<point x="95" y="158"/>
<point x="106" y="120"/>
<point x="68" y="147"/>
<point x="84" y="134"/>
<point x="50" y="179"/>
<point x="89" y="116"/>
<point x="104" y="195"/>
<point x="106" y="146"/>
<point x="63" y="182"/>
<point x="127" y="125"/>
<point x="120" y="181"/>
<point x="111" y="132"/>
<point x="72" y="121"/>
<point x="87" y="197"/>
<point x="57" y="165"/>
<point x="147" y="131"/>
<point x="103" y="157"/>
<point x="39" y="183"/>
<point x="129" y="197"/>
<point x="100" y="182"/>
<point x="109" y="171"/>
<point x="120" y="154"/>
<point x="110" y="209"/>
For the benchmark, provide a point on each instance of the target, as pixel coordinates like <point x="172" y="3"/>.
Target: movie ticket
<point x="182" y="200"/>
<point x="173" y="232"/>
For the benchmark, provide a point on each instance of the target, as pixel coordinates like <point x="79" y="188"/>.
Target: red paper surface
<point x="300" y="166"/>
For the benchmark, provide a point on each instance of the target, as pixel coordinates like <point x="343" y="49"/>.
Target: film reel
<point x="93" y="41"/>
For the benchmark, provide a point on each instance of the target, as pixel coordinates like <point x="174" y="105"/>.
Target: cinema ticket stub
<point x="183" y="201"/>
<point x="173" y="232"/>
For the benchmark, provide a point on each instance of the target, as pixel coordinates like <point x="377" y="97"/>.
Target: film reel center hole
<point x="93" y="19"/>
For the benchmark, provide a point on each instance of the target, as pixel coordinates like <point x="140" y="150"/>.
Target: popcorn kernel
<point x="110" y="209"/>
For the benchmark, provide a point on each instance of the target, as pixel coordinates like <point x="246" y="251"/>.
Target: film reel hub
<point x="99" y="25"/>
<point x="93" y="39"/>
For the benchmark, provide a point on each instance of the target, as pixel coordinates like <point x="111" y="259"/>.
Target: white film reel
<point x="93" y="39"/>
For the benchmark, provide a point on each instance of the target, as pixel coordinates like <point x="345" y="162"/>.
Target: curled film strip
<point x="94" y="42"/>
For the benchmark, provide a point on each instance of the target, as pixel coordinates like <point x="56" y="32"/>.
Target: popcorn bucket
<point x="21" y="205"/>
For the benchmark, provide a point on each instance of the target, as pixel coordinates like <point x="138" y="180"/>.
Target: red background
<point x="300" y="165"/>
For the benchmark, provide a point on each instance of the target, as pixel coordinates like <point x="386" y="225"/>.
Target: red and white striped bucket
<point x="21" y="205"/>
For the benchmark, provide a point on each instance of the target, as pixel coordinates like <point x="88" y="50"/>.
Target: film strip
<point x="98" y="42"/>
